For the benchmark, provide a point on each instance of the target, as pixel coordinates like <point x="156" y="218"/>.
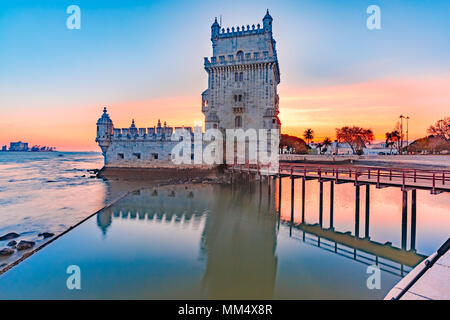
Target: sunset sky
<point x="144" y="60"/>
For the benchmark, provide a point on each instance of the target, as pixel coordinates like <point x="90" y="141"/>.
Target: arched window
<point x="241" y="76"/>
<point x="240" y="56"/>
<point x="238" y="122"/>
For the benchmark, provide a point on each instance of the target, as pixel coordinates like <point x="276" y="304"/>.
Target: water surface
<point x="47" y="192"/>
<point x="220" y="242"/>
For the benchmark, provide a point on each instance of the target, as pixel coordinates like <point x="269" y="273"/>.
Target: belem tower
<point x="243" y="75"/>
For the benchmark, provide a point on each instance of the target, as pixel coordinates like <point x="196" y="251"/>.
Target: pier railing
<point x="435" y="180"/>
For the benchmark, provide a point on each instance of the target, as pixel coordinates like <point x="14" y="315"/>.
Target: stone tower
<point x="105" y="129"/>
<point x="243" y="75"/>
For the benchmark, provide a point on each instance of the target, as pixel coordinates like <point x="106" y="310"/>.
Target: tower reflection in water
<point x="238" y="239"/>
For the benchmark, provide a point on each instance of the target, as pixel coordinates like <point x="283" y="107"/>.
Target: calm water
<point x="211" y="241"/>
<point x="47" y="192"/>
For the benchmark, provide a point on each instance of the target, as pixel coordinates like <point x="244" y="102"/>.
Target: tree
<point x="320" y="145"/>
<point x="308" y="135"/>
<point x="431" y="144"/>
<point x="393" y="140"/>
<point x="441" y="128"/>
<point x="326" y="143"/>
<point x="356" y="137"/>
<point x="294" y="144"/>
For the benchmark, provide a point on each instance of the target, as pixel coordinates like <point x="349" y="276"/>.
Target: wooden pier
<point x="435" y="283"/>
<point x="437" y="181"/>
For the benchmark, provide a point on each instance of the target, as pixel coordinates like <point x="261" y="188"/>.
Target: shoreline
<point x="209" y="177"/>
<point x="57" y="236"/>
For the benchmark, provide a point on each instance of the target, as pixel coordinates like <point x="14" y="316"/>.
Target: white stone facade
<point x="243" y="75"/>
<point x="136" y="147"/>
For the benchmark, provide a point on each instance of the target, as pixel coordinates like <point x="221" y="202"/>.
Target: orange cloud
<point x="375" y="104"/>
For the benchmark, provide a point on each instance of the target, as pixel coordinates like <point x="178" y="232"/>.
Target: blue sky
<point x="142" y="50"/>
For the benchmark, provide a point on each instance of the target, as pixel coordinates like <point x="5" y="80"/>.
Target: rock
<point x="9" y="236"/>
<point x="46" y="235"/>
<point x="6" y="252"/>
<point x="23" y="245"/>
<point x="12" y="243"/>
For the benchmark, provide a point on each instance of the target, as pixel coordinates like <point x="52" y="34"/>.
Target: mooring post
<point x="357" y="211"/>
<point x="279" y="195"/>
<point x="331" y="203"/>
<point x="303" y="199"/>
<point x="404" y="217"/>
<point x="321" y="204"/>
<point x="367" y="210"/>
<point x="292" y="200"/>
<point x="413" y="220"/>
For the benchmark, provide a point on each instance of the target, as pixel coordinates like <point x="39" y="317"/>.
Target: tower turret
<point x="105" y="129"/>
<point x="267" y="22"/>
<point x="215" y="29"/>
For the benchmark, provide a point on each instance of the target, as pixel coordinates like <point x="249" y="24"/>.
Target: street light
<point x="407" y="133"/>
<point x="401" y="133"/>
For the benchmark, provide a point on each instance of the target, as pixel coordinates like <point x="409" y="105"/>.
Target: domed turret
<point x="133" y="129"/>
<point x="105" y="129"/>
<point x="267" y="22"/>
<point x="215" y="29"/>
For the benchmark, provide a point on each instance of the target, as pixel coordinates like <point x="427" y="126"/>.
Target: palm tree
<point x="326" y="143"/>
<point x="319" y="145"/>
<point x="308" y="135"/>
<point x="391" y="139"/>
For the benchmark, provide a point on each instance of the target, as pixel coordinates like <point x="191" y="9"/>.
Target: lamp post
<point x="407" y="133"/>
<point x="401" y="133"/>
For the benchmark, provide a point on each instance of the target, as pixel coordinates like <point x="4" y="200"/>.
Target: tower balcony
<point x="238" y="110"/>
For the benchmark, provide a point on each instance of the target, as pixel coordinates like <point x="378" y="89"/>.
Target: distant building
<point x="336" y="148"/>
<point x="18" y="146"/>
<point x="4" y="148"/>
<point x="379" y="149"/>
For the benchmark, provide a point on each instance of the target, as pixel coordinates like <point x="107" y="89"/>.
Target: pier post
<point x="404" y="217"/>
<point x="331" y="203"/>
<point x="367" y="220"/>
<point x="303" y="200"/>
<point x="413" y="220"/>
<point x="357" y="211"/>
<point x="321" y="204"/>
<point x="279" y="195"/>
<point x="292" y="200"/>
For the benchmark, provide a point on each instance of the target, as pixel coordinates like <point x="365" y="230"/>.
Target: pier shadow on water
<point x="240" y="241"/>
